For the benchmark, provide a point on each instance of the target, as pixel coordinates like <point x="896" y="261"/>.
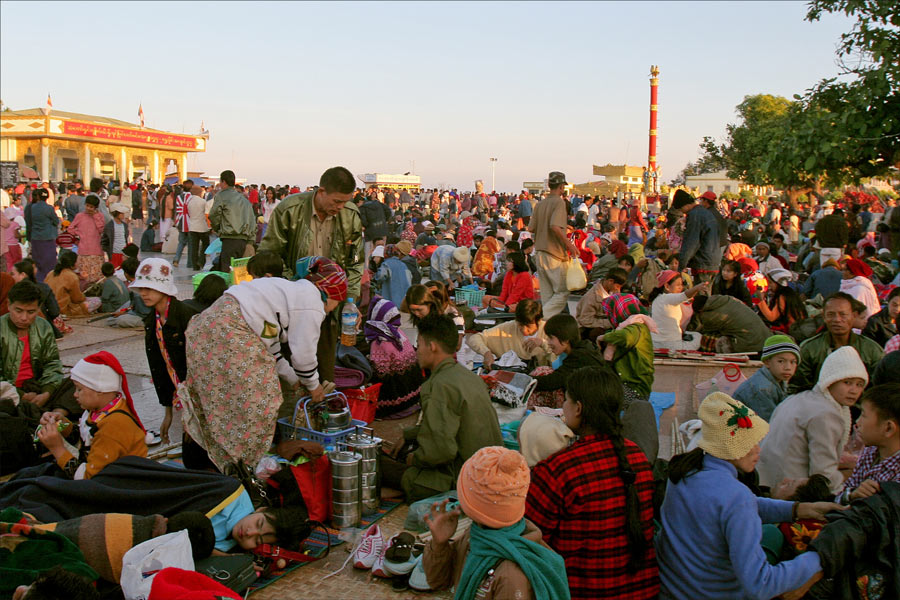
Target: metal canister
<point x="369" y="447"/>
<point x="345" y="489"/>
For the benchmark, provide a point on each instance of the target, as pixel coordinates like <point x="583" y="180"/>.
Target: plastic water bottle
<point x="349" y="316"/>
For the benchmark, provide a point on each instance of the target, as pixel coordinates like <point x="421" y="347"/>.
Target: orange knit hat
<point x="492" y="487"/>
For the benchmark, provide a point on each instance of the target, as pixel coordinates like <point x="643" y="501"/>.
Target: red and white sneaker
<point x="378" y="569"/>
<point x="370" y="547"/>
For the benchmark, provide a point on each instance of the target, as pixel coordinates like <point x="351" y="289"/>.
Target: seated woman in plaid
<point x="593" y="500"/>
<point x="879" y="428"/>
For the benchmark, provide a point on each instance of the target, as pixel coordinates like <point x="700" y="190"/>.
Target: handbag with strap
<point x="235" y="571"/>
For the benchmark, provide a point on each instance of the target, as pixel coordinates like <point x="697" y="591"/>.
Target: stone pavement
<point x="305" y="583"/>
<point x="128" y="346"/>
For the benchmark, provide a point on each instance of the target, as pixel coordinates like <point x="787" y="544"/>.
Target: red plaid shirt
<point x="867" y="468"/>
<point x="577" y="499"/>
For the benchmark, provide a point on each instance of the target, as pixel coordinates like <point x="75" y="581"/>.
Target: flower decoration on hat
<point x="145" y="270"/>
<point x="740" y="417"/>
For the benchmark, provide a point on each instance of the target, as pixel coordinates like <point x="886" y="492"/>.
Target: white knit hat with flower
<point x="155" y="274"/>
<point x="730" y="429"/>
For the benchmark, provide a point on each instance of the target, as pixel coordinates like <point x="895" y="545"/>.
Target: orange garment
<point x="483" y="265"/>
<point x="117" y="436"/>
<point x="67" y="289"/>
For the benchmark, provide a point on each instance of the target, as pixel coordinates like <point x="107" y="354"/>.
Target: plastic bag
<point x="728" y="380"/>
<point x="141" y="564"/>
<point x="576" y="279"/>
<point x="415" y="518"/>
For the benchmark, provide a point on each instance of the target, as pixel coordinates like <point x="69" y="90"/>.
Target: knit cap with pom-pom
<point x="492" y="487"/>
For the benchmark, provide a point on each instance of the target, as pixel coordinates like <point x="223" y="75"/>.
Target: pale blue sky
<point x="289" y="89"/>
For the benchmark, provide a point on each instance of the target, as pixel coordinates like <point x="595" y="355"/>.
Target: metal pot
<point x="332" y="422"/>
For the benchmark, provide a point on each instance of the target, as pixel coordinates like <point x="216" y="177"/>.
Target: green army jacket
<point x="289" y="235"/>
<point x="44" y="353"/>
<point x="458" y="419"/>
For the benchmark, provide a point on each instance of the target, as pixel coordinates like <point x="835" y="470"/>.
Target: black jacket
<point x="738" y="289"/>
<point x="879" y="327"/>
<point x="863" y="540"/>
<point x="173" y="337"/>
<point x="374" y="216"/>
<point x="109" y="236"/>
<point x="584" y="354"/>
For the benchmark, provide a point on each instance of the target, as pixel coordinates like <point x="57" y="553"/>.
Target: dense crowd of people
<point x="775" y="495"/>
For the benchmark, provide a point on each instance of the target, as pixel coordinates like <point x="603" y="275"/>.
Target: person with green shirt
<point x="458" y="418"/>
<point x="629" y="349"/>
<point x="29" y="357"/>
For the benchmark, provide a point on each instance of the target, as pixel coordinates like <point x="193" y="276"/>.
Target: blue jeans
<point x="182" y="243"/>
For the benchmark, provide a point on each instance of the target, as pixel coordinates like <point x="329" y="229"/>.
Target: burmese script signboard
<point x="123" y="135"/>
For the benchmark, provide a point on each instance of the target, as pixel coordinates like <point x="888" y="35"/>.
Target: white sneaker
<point x="370" y="547"/>
<point x="378" y="569"/>
<point x="417" y="579"/>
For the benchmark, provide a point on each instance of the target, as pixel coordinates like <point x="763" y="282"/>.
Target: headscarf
<point x="748" y="265"/>
<point x="858" y="268"/>
<point x="618" y="248"/>
<point x="618" y="307"/>
<point x="409" y="233"/>
<point x="325" y="274"/>
<point x="664" y="277"/>
<point x="383" y="322"/>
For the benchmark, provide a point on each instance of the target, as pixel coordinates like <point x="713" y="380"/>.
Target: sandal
<point x="152" y="438"/>
<point x="400" y="548"/>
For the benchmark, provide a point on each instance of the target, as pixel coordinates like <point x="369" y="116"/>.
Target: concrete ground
<point x="305" y="583"/>
<point x="308" y="582"/>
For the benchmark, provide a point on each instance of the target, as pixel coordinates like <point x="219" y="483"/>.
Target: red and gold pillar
<point x="654" y="86"/>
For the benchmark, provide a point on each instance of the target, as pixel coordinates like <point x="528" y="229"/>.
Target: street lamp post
<point x="493" y="165"/>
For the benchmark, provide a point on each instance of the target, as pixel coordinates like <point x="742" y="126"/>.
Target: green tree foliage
<point x="842" y="130"/>
<point x="752" y="142"/>
<point x="850" y="128"/>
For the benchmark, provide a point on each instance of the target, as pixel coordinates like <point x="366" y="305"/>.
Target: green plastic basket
<point x="470" y="297"/>
<point x="198" y="277"/>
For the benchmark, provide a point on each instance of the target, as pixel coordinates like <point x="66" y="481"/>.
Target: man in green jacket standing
<point x="232" y="218"/>
<point x="30" y="357"/>
<point x="321" y="222"/>
<point x="458" y="418"/>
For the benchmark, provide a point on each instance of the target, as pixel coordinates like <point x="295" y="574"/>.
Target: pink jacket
<point x="88" y="228"/>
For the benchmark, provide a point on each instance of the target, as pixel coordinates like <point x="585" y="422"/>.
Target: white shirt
<point x="667" y="311"/>
<point x="268" y="208"/>
<point x="281" y="311"/>
<point x="593" y="212"/>
<point x="119" y="241"/>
